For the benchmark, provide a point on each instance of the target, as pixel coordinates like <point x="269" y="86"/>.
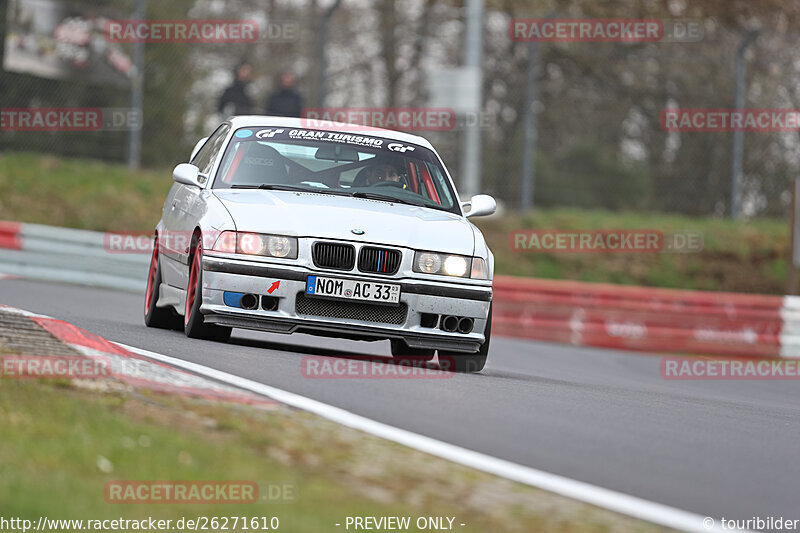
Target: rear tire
<point x="403" y="354"/>
<point x="157" y="317"/>
<point x="193" y="323"/>
<point x="463" y="363"/>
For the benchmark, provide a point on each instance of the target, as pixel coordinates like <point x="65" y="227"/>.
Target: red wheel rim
<point x="151" y="278"/>
<point x="191" y="290"/>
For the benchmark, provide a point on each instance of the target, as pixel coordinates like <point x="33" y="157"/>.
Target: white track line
<point x="578" y="490"/>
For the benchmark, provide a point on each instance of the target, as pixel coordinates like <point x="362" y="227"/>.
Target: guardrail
<point x="68" y="255"/>
<point x="586" y="314"/>
<point x="647" y="319"/>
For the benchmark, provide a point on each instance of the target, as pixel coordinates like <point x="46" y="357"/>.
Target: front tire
<point x="193" y="323"/>
<point x="157" y="317"/>
<point x="463" y="363"/>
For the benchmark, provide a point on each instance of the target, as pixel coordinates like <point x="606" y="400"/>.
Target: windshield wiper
<point x="385" y="198"/>
<point x="293" y="188"/>
<point x="271" y="187"/>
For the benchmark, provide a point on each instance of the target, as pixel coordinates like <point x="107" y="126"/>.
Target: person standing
<point x="235" y="100"/>
<point x="286" y="100"/>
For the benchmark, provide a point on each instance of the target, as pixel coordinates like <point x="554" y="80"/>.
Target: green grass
<point x="749" y="256"/>
<point x="80" y="193"/>
<point x="62" y="444"/>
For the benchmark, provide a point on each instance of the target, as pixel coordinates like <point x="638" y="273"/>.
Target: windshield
<point x="335" y="163"/>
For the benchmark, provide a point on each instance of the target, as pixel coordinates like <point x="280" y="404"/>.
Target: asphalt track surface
<point x="718" y="448"/>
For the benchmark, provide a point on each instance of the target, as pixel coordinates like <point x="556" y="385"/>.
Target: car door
<point x="185" y="206"/>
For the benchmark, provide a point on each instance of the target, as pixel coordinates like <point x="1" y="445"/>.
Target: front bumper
<point x="420" y="297"/>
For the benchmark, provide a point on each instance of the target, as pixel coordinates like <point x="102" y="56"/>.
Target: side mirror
<point x="197" y="147"/>
<point x="188" y="174"/>
<point x="480" y="205"/>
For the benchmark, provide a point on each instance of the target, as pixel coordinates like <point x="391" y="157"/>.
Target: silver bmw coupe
<point x="337" y="230"/>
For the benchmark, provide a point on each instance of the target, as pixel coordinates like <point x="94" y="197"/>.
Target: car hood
<point x="334" y="217"/>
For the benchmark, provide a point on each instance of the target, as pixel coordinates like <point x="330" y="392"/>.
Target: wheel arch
<point x="197" y="233"/>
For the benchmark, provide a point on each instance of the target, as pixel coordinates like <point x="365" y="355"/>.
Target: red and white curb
<point x="135" y="370"/>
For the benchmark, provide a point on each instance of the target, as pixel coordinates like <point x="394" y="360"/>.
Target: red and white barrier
<point x="647" y="319"/>
<point x="68" y="255"/>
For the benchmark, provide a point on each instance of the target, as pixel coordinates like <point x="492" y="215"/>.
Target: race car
<point x="335" y="230"/>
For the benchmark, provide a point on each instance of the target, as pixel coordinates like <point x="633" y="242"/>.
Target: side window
<point x="204" y="149"/>
<point x="205" y="158"/>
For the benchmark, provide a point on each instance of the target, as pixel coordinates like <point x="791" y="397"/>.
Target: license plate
<point x="349" y="289"/>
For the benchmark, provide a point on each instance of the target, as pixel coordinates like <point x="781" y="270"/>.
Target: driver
<point x="384" y="172"/>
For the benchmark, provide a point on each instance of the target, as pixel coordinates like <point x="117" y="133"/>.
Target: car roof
<point x="253" y="121"/>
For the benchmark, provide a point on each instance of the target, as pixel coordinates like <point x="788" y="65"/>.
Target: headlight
<point x="455" y="265"/>
<point x="427" y="263"/>
<point x="442" y="264"/>
<point x="281" y="246"/>
<point x="251" y="244"/>
<point x="257" y="244"/>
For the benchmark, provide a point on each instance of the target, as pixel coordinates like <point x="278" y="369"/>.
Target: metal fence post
<point x="471" y="143"/>
<point x="531" y="132"/>
<point x="137" y="94"/>
<point x="738" y="135"/>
